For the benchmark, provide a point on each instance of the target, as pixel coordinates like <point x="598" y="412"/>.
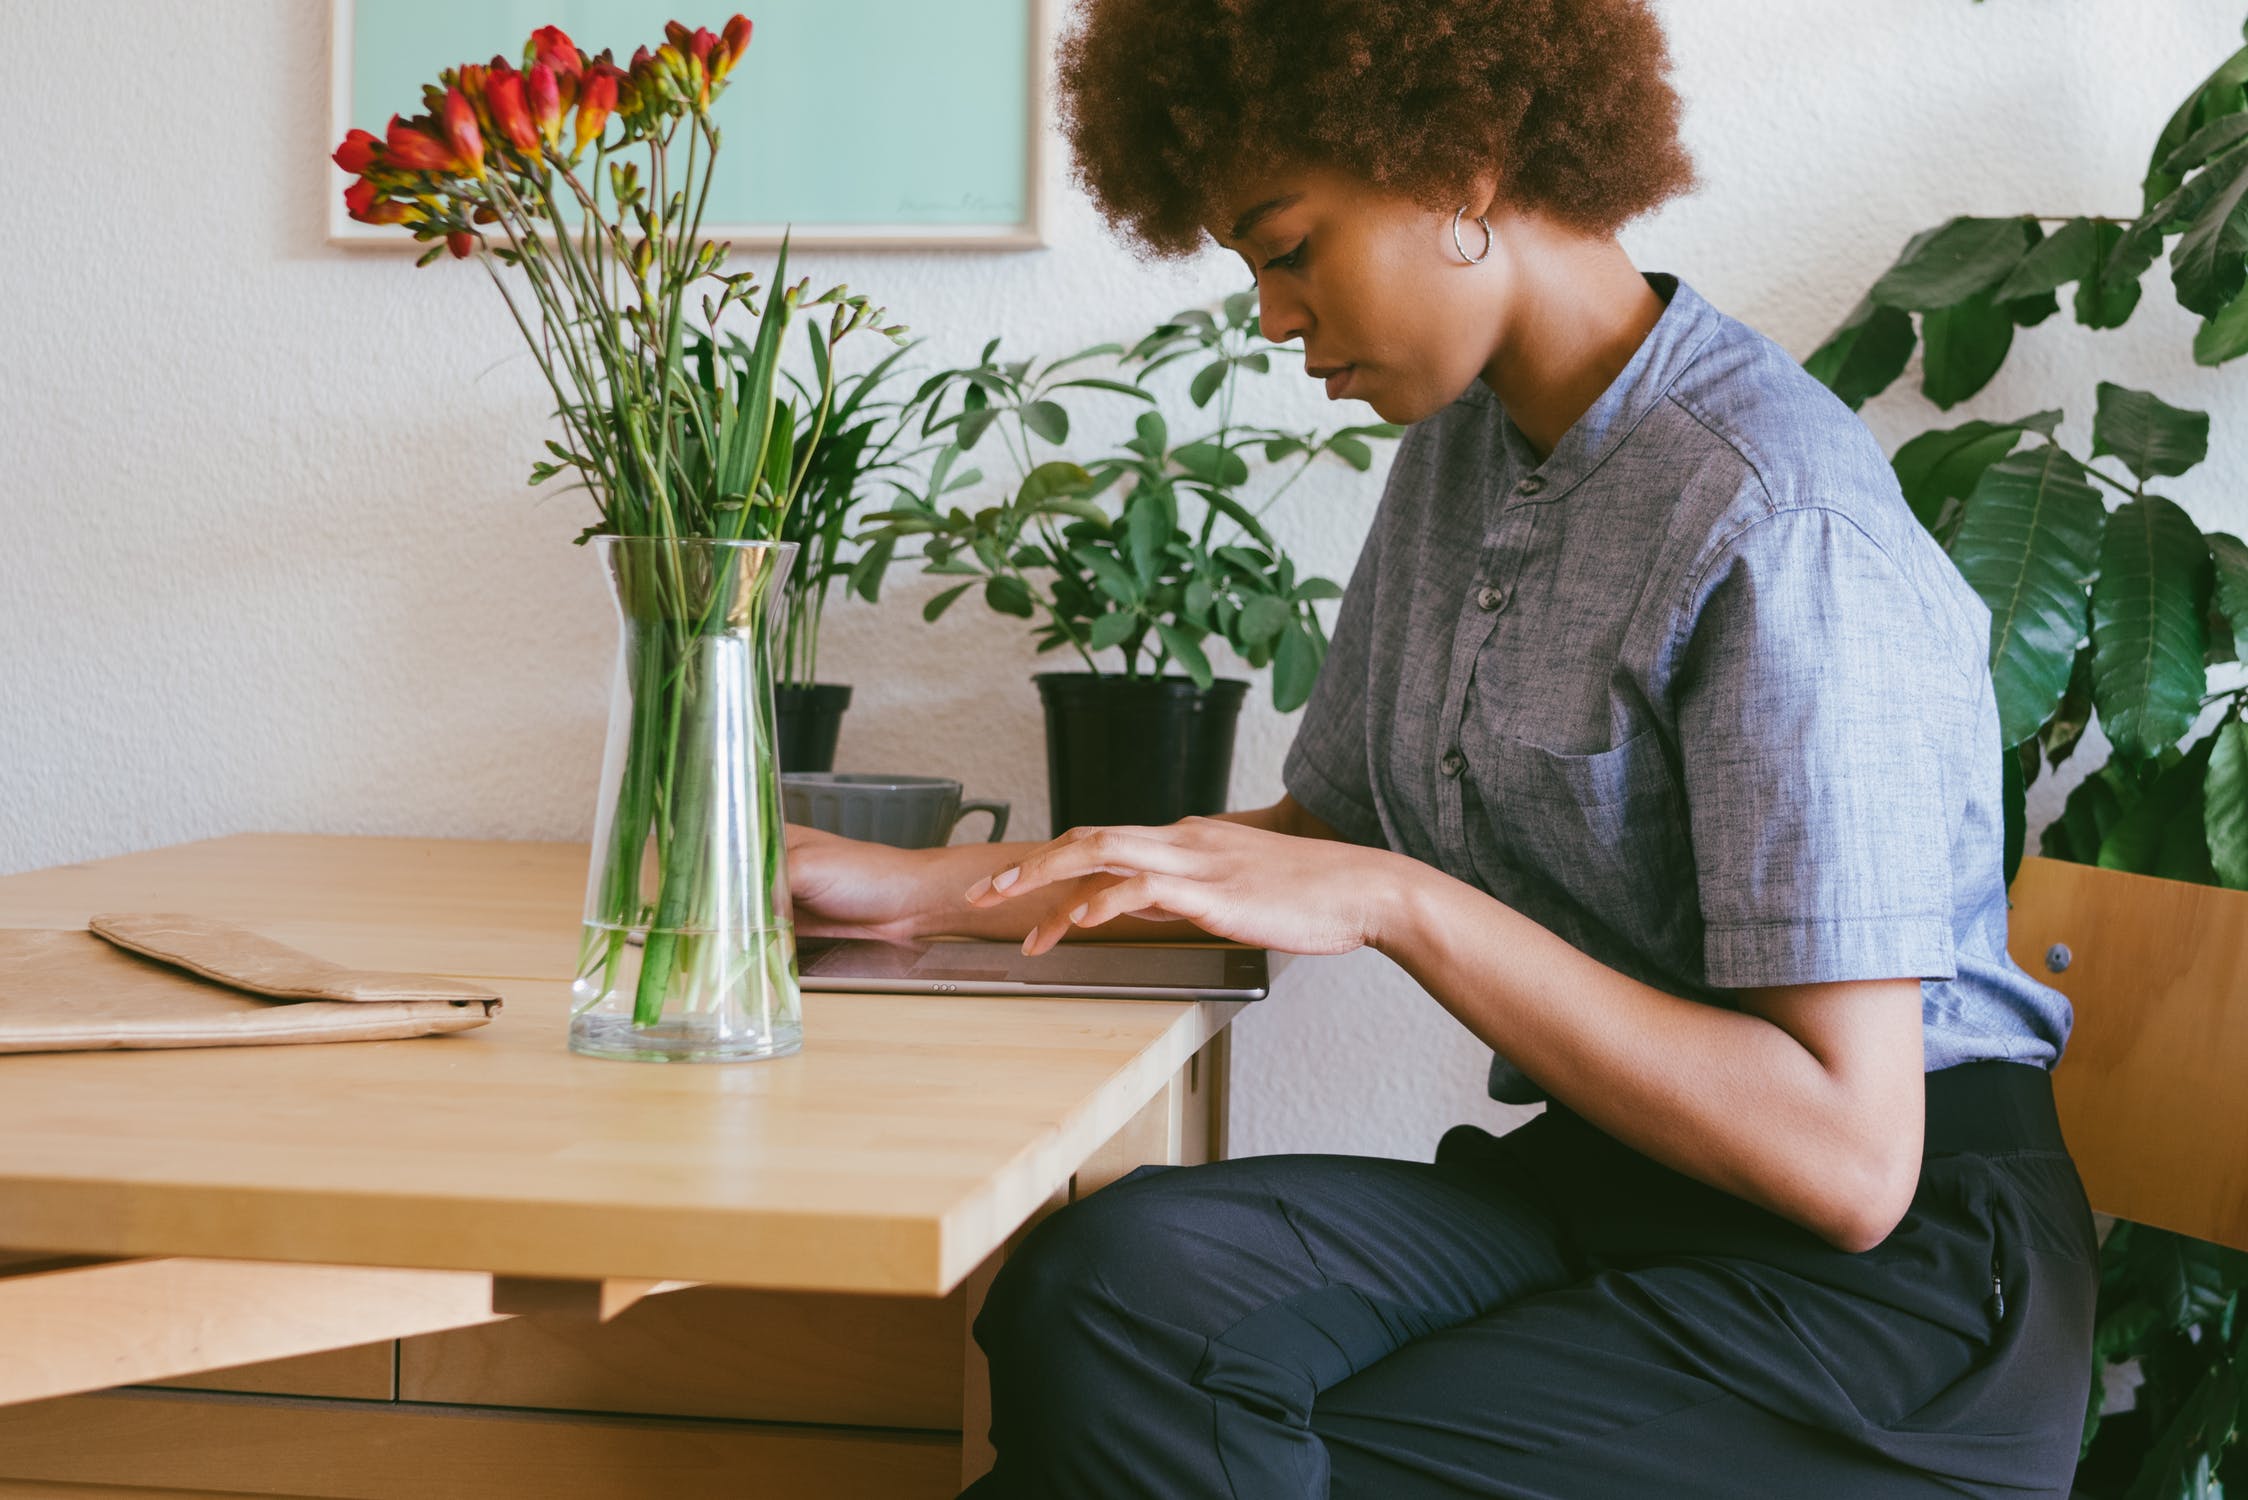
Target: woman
<point x="1657" y="742"/>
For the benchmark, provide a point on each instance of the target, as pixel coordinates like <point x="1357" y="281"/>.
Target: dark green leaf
<point x="1206" y="382"/>
<point x="2230" y="557"/>
<point x="2207" y="264"/>
<point x="1240" y="309"/>
<point x="2028" y="542"/>
<point x="1352" y="452"/>
<point x="2147" y="631"/>
<point x="1089" y="382"/>
<point x="1863" y="357"/>
<point x="2224" y="811"/>
<point x="1187" y="652"/>
<point x="1114" y="578"/>
<point x="2219" y="94"/>
<point x="2151" y="436"/>
<point x="1964" y="346"/>
<point x="1944" y="465"/>
<point x="2070" y="720"/>
<point x="1049" y="480"/>
<point x="1263" y="618"/>
<point x="1010" y="596"/>
<point x="974" y="424"/>
<point x="2109" y="288"/>
<point x="2067" y="254"/>
<point x="2162" y="834"/>
<point x="2211" y="140"/>
<point x="943" y="601"/>
<point x="1112" y="630"/>
<point x="1048" y="420"/>
<point x="1154" y="436"/>
<point x="1147" y="526"/>
<point x="1318" y="588"/>
<point x="1213" y="464"/>
<point x="1295" y="667"/>
<point x="1958" y="260"/>
<point x="2225" y="336"/>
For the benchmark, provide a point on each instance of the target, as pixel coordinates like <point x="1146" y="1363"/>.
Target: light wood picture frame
<point x="934" y="137"/>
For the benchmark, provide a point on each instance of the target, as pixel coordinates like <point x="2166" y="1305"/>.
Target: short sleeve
<point x="1812" y="697"/>
<point x="1327" y="768"/>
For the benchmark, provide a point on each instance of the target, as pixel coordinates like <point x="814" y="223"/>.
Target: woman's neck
<point x="1577" y="312"/>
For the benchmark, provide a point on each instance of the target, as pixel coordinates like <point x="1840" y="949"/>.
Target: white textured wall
<point x="270" y="563"/>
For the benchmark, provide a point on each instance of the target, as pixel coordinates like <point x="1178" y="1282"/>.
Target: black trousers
<point x="1552" y="1314"/>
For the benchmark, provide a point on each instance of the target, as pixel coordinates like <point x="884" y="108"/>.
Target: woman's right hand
<point x="853" y="888"/>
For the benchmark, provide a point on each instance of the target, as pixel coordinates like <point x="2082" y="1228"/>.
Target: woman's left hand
<point x="1247" y="885"/>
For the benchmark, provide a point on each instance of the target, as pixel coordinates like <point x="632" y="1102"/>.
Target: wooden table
<point x="483" y="1266"/>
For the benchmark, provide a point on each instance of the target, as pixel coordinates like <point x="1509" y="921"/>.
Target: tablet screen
<point x="969" y="963"/>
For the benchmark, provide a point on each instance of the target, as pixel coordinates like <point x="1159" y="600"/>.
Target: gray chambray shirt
<point x="1697" y="693"/>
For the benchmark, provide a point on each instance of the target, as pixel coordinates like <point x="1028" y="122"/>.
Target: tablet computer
<point x="972" y="966"/>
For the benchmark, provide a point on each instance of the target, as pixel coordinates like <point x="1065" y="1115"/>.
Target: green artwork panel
<point x="843" y="112"/>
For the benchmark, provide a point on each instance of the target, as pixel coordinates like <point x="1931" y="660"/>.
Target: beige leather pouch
<point x="115" y="985"/>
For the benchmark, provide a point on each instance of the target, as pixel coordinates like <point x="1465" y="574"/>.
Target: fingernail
<point x="1079" y="914"/>
<point x="1005" y="878"/>
<point x="977" y="890"/>
<point x="1028" y="941"/>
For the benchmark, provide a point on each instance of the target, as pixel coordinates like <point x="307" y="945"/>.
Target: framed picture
<point x="851" y="123"/>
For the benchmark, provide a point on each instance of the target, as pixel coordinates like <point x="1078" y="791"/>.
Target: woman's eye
<point x="1290" y="260"/>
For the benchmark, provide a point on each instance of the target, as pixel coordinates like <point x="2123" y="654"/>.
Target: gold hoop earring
<point x="1473" y="260"/>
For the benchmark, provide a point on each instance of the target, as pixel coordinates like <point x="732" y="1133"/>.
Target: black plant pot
<point x="1150" y="750"/>
<point x="808" y="719"/>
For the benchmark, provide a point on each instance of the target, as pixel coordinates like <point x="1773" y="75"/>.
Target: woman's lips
<point x="1339" y="382"/>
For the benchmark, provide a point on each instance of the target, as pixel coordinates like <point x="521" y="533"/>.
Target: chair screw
<point x="2056" y="957"/>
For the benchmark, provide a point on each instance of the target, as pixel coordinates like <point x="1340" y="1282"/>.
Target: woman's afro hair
<point x="1171" y="106"/>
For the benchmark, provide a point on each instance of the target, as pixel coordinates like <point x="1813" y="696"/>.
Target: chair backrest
<point x="2153" y="1085"/>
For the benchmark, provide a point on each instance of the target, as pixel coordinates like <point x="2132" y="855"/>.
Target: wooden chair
<point x="2154" y="1080"/>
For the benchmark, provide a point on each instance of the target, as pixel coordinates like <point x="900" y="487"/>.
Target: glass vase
<point x="689" y="948"/>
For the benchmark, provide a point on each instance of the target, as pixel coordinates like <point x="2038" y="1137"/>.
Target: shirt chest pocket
<point x="1606" y="831"/>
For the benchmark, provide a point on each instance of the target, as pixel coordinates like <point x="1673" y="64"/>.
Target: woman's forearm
<point x="1725" y="1097"/>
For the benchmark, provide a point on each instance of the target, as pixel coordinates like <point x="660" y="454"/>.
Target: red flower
<point x="361" y="202"/>
<point x="729" y="50"/>
<point x="546" y="103"/>
<point x="462" y="243"/>
<point x="460" y="128"/>
<point x="415" y="149"/>
<point x="357" y="153"/>
<point x="595" y="101"/>
<point x="503" y="95"/>
<point x="552" y="46"/>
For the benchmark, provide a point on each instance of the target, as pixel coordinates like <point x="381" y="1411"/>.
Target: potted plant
<point x="843" y="458"/>
<point x="1178" y="557"/>
<point x="2120" y="614"/>
<point x="688" y="951"/>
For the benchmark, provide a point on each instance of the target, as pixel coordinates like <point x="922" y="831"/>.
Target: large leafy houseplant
<point x="579" y="186"/>
<point x="1180" y="554"/>
<point x="2120" y="614"/>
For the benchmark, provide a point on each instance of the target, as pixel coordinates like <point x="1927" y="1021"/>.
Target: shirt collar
<point x="1668" y="349"/>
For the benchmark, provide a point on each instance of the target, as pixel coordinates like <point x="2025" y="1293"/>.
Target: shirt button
<point x="1453" y="763"/>
<point x="1531" y="485"/>
<point x="1489" y="597"/>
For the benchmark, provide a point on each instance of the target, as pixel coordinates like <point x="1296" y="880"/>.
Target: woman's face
<point x="1371" y="281"/>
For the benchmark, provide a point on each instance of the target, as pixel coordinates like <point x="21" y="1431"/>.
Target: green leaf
<point x="2177" y="1465"/>
<point x="1352" y="452"/>
<point x="1048" y="420"/>
<point x="1042" y="485"/>
<point x="2224" y="808"/>
<point x="1964" y="346"/>
<point x="1187" y="652"/>
<point x="1112" y="629"/>
<point x="1318" y="588"/>
<point x="943" y="601"/>
<point x="867" y="573"/>
<point x="1147" y="526"/>
<point x="2092" y="810"/>
<point x="2028" y="541"/>
<point x="1263" y="618"/>
<point x="1213" y="464"/>
<point x="2147" y="631"/>
<point x="973" y="425"/>
<point x="2218" y="95"/>
<point x="2223" y="337"/>
<point x="2068" y="254"/>
<point x="1206" y="382"/>
<point x="1863" y="357"/>
<point x="1958" y="260"/>
<point x="2110" y="288"/>
<point x="2207" y="264"/>
<point x="2151" y="436"/>
<point x="1094" y="383"/>
<point x="2230" y="557"/>
<point x="1115" y="580"/>
<point x="2163" y="833"/>
<point x="1295" y="667"/>
<point x="1945" y="464"/>
<point x="1240" y="309"/>
<point x="1010" y="596"/>
<point x="1154" y="436"/>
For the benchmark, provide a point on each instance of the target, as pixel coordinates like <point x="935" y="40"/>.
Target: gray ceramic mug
<point x="912" y="812"/>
